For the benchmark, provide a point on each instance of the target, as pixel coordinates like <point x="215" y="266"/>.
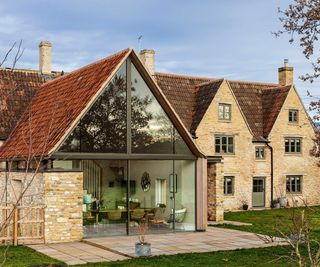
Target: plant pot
<point x="283" y="202"/>
<point x="276" y="205"/>
<point x="245" y="206"/>
<point x="143" y="249"/>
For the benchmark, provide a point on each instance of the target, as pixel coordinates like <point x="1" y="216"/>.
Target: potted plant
<point x="142" y="248"/>
<point x="275" y="204"/>
<point x="243" y="200"/>
<point x="245" y="205"/>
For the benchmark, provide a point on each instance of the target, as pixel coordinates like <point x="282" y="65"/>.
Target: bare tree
<point x="13" y="196"/>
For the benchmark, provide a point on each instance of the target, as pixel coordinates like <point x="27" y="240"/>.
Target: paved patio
<point x="122" y="247"/>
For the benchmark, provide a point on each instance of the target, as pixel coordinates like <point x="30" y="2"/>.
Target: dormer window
<point x="224" y="111"/>
<point x="293" y="115"/>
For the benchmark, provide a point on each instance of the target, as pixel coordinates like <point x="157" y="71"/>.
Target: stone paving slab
<point x="122" y="247"/>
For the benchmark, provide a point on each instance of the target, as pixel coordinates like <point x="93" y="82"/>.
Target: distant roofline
<point x="215" y="79"/>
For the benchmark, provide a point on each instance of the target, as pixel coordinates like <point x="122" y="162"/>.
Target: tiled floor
<point x="101" y="249"/>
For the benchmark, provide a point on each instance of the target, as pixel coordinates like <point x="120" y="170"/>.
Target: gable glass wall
<point x="136" y="166"/>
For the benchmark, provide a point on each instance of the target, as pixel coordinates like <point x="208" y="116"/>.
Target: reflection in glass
<point x="103" y="128"/>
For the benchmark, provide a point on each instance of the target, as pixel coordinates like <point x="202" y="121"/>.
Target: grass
<point x="248" y="257"/>
<point x="262" y="222"/>
<point x="268" y="221"/>
<point x="24" y="256"/>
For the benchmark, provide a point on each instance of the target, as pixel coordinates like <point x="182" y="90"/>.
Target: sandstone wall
<point x="295" y="164"/>
<point x="63" y="212"/>
<point x="242" y="164"/>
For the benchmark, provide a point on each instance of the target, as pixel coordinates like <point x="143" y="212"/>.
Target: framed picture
<point x="173" y="183"/>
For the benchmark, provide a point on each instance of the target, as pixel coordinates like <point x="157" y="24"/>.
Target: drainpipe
<point x="271" y="171"/>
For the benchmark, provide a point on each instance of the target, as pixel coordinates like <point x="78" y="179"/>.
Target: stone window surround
<point x="297" y="115"/>
<point x="293" y="152"/>
<point x="223" y="105"/>
<point x="264" y="153"/>
<point x="301" y="184"/>
<point x="225" y="183"/>
<point x="215" y="135"/>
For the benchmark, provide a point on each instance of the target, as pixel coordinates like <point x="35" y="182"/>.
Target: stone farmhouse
<point x="114" y="142"/>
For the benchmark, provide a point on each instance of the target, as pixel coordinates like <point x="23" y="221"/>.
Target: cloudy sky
<point x="230" y="39"/>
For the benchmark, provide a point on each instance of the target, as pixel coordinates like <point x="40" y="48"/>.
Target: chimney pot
<point x="147" y="56"/>
<point x="45" y="48"/>
<point x="285" y="74"/>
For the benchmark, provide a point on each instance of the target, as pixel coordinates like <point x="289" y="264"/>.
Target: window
<point x="293" y="115"/>
<point x="224" y="112"/>
<point x="224" y="144"/>
<point x="294" y="183"/>
<point x="228" y="187"/>
<point x="292" y="145"/>
<point x="260" y="153"/>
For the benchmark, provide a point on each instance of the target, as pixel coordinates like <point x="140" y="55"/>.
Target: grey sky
<point x="230" y="39"/>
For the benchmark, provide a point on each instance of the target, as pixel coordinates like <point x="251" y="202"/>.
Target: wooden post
<point x="15" y="227"/>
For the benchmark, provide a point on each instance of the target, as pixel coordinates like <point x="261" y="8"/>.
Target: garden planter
<point x="283" y="202"/>
<point x="276" y="205"/>
<point x="245" y="206"/>
<point x="143" y="249"/>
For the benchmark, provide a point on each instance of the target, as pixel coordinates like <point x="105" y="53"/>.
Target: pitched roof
<point x="55" y="106"/>
<point x="260" y="102"/>
<point x="17" y="88"/>
<point x="180" y="91"/>
<point x="204" y="95"/>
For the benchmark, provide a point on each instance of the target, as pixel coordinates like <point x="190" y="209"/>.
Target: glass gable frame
<point x="107" y="124"/>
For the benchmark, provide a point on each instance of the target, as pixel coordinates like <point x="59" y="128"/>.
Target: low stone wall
<point x="12" y="184"/>
<point x="63" y="212"/>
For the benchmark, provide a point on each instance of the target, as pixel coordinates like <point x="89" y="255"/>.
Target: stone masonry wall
<point x="12" y="184"/>
<point x="215" y="192"/>
<point x="242" y="164"/>
<point x="295" y="164"/>
<point x="63" y="213"/>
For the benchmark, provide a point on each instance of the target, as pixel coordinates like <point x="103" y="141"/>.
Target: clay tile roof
<point x="272" y="103"/>
<point x="16" y="91"/>
<point x="180" y="92"/>
<point x="17" y="88"/>
<point x="260" y="104"/>
<point x="55" y="106"/>
<point x="205" y="93"/>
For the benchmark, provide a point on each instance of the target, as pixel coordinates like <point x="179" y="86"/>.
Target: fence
<point x="23" y="225"/>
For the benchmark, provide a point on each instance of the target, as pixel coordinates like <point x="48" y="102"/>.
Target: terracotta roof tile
<point x="205" y="93"/>
<point x="180" y="91"/>
<point x="260" y="104"/>
<point x="55" y="106"/>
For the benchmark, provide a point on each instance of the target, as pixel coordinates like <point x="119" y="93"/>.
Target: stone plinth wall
<point x="63" y="212"/>
<point x="215" y="192"/>
<point x="12" y="184"/>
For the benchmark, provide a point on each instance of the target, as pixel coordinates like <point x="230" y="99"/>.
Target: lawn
<point x="23" y="256"/>
<point x="26" y="257"/>
<point x="268" y="221"/>
<point x="262" y="222"/>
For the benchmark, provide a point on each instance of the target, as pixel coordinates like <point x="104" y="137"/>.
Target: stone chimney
<point x="147" y="57"/>
<point x="45" y="57"/>
<point x="285" y="74"/>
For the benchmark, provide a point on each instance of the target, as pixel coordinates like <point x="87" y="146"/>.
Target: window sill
<point x="225" y="121"/>
<point x="229" y="196"/>
<point x="293" y="154"/>
<point x="226" y="155"/>
<point x="261" y="160"/>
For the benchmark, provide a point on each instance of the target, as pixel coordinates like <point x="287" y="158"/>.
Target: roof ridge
<point x="87" y="66"/>
<point x="25" y="70"/>
<point x="250" y="82"/>
<point x="208" y="82"/>
<point x="184" y="76"/>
